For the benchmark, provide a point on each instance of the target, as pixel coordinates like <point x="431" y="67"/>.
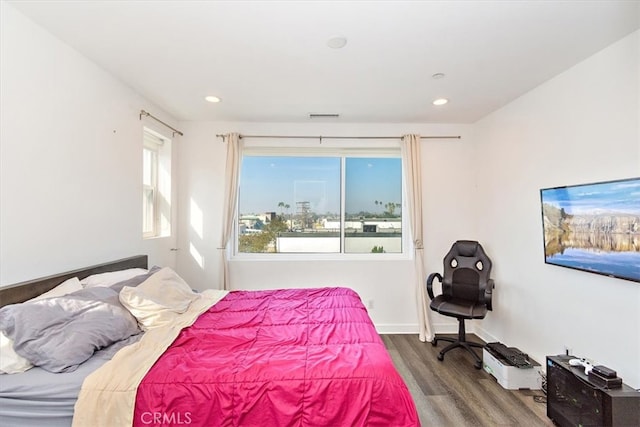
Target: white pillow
<point x="112" y="277"/>
<point x="158" y="300"/>
<point x="10" y="361"/>
<point x="66" y="287"/>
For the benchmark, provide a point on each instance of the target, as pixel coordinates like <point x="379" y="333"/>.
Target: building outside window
<point x="330" y="201"/>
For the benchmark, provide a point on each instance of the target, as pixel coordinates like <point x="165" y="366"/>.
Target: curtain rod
<point x="337" y="137"/>
<point x="144" y="113"/>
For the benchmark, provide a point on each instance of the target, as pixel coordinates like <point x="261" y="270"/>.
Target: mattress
<point x="40" y="398"/>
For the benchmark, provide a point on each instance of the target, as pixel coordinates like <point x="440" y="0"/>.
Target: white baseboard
<point x="394" y="328"/>
<point x="439" y="328"/>
<point x="484" y="335"/>
<point x="412" y="328"/>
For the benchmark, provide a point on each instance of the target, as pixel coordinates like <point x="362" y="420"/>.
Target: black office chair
<point x="466" y="292"/>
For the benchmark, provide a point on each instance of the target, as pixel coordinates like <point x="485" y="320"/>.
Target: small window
<point x="149" y="190"/>
<point x="340" y="203"/>
<point x="156" y="185"/>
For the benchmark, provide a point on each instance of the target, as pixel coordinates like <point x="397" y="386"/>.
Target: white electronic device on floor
<point x="512" y="377"/>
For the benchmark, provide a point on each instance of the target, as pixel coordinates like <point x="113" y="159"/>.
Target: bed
<point x="299" y="357"/>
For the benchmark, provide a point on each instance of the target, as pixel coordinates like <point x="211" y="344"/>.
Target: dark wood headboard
<point x="32" y="288"/>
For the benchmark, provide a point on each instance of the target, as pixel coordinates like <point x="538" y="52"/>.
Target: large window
<point x="334" y="202"/>
<point x="156" y="185"/>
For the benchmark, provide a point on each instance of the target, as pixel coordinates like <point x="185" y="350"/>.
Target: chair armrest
<point x="488" y="294"/>
<point x="430" y="283"/>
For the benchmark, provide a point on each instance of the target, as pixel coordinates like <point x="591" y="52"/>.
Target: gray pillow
<point x="135" y="281"/>
<point x="60" y="333"/>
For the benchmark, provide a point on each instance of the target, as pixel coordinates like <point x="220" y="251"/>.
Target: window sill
<point x="314" y="257"/>
<point x="163" y="236"/>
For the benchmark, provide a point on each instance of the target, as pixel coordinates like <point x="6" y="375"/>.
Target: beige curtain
<point x="234" y="151"/>
<point x="411" y="158"/>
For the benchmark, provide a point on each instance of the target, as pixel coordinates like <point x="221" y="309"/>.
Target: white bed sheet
<point x="40" y="398"/>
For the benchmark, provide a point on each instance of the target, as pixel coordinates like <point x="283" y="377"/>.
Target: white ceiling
<point x="269" y="60"/>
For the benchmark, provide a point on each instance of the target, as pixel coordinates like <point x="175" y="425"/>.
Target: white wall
<point x="580" y="127"/>
<point x="390" y="284"/>
<point x="70" y="159"/>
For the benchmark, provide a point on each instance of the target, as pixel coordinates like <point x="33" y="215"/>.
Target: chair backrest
<point x="467" y="270"/>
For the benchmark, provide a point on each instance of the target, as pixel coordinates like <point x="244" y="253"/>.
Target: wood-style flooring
<point x="454" y="393"/>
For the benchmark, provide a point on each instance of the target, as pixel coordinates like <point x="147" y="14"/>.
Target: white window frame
<point x="150" y="230"/>
<point x="160" y="147"/>
<point x="331" y="148"/>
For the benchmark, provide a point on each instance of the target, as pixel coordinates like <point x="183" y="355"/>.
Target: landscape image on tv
<point x="594" y="227"/>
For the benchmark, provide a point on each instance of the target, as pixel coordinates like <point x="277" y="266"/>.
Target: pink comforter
<point x="298" y="357"/>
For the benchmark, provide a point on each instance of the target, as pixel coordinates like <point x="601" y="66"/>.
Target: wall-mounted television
<point x="594" y="227"/>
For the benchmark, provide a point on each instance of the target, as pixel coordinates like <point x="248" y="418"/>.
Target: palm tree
<point x="391" y="207"/>
<point x="287" y="209"/>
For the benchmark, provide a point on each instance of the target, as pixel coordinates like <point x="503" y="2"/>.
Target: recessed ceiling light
<point x="438" y="75"/>
<point x="440" y="101"/>
<point x="211" y="98"/>
<point x="337" y="42"/>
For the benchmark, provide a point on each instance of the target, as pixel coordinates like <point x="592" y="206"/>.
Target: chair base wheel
<point x="459" y="343"/>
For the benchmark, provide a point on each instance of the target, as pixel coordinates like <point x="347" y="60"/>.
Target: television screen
<point x="594" y="227"/>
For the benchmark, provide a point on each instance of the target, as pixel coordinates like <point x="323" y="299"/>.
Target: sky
<point x="616" y="196"/>
<point x="267" y="181"/>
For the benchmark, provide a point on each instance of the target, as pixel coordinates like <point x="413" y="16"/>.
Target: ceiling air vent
<point x="324" y="116"/>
